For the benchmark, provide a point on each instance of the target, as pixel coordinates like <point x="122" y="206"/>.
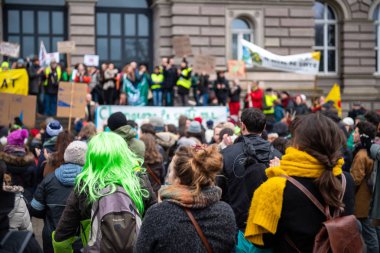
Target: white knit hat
<point x="76" y="153"/>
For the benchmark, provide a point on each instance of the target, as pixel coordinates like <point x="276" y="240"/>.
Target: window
<point x="123" y="35"/>
<point x="241" y="29"/>
<point x="376" y="18"/>
<point x="29" y="25"/>
<point x="326" y="39"/>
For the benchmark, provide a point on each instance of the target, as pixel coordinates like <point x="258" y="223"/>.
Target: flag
<point x="42" y="56"/>
<point x="334" y="96"/>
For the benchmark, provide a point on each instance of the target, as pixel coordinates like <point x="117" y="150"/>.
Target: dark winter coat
<point x="34" y="79"/>
<point x="167" y="228"/>
<point x="50" y="199"/>
<point x="203" y="86"/>
<point x="242" y="175"/>
<point x="171" y="78"/>
<point x="235" y="95"/>
<point x="221" y="93"/>
<point x="300" y="219"/>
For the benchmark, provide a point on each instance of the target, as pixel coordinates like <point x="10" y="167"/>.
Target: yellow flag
<point x="14" y="81"/>
<point x="334" y="96"/>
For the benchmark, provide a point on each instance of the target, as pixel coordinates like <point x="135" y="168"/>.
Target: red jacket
<point x="85" y="79"/>
<point x="257" y="98"/>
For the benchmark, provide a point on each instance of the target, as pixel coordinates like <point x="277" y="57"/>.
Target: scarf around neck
<point x="266" y="206"/>
<point x="184" y="196"/>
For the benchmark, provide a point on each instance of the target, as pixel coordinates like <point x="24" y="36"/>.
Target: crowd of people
<point x="249" y="185"/>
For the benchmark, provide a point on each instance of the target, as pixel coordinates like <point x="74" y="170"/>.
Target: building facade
<point x="345" y="31"/>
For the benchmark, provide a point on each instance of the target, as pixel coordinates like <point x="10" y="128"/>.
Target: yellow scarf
<point x="266" y="205"/>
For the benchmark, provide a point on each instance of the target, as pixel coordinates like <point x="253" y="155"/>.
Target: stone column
<point x="81" y="27"/>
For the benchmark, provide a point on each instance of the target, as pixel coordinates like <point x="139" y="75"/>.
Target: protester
<point x="109" y="85"/>
<point x="298" y="107"/>
<point x="167" y="226"/>
<point x="361" y="170"/>
<point x="244" y="165"/>
<point x="82" y="74"/>
<point x="110" y="167"/>
<point x="157" y="79"/>
<point x="268" y="106"/>
<point x="52" y="77"/>
<point x="356" y="110"/>
<point x="254" y="96"/>
<point x="170" y="82"/>
<point x="36" y="73"/>
<point x="203" y="88"/>
<point x="87" y="132"/>
<point x="291" y="222"/>
<point x="184" y="82"/>
<point x="221" y="88"/>
<point x="50" y="197"/>
<point x="234" y="104"/>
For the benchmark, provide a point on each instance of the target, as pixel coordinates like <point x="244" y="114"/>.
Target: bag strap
<point x="199" y="230"/>
<point x="154" y="176"/>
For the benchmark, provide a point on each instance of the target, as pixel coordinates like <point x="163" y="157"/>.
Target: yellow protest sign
<point x="14" y="81"/>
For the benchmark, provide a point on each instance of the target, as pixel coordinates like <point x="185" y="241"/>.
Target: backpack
<point x="339" y="234"/>
<point x="115" y="223"/>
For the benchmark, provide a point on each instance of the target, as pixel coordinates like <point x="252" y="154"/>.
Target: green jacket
<point x="129" y="135"/>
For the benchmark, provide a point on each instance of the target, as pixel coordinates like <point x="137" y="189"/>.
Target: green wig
<point x="109" y="162"/>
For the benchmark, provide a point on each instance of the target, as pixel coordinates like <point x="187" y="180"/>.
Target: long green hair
<point x="110" y="163"/>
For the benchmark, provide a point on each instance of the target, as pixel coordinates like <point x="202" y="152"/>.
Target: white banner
<point x="170" y="115"/>
<point x="307" y="63"/>
<point x="91" y="60"/>
<point x="10" y="49"/>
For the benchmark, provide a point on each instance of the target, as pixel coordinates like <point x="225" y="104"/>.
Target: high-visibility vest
<point x="48" y="71"/>
<point x="186" y="83"/>
<point x="269" y="102"/>
<point x="157" y="80"/>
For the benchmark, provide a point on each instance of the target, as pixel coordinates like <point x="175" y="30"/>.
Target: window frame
<point x="123" y="11"/>
<point x="35" y="9"/>
<point x="325" y="47"/>
<point x="240" y="35"/>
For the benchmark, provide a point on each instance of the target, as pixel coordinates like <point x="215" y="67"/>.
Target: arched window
<point x="326" y="33"/>
<point x="241" y="29"/>
<point x="376" y="18"/>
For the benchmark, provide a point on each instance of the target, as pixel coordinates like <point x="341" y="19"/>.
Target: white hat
<point x="348" y="121"/>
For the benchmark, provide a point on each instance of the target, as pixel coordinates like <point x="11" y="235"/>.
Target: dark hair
<point x="373" y="117"/>
<point x="367" y="133"/>
<point x="63" y="140"/>
<point x="254" y="120"/>
<point x="321" y="138"/>
<point x="132" y="123"/>
<point x="197" y="167"/>
<point x="152" y="154"/>
<point x="147" y="129"/>
<point x="172" y="128"/>
<point x="198" y="136"/>
<point x="224" y="131"/>
<point x="280" y="144"/>
<point x="332" y="114"/>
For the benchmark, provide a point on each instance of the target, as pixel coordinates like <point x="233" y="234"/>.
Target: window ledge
<point x="322" y="75"/>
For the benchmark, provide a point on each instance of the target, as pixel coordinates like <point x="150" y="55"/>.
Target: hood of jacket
<point x="67" y="173"/>
<point x="127" y="132"/>
<point x="256" y="148"/>
<point x="166" y="139"/>
<point x="19" y="161"/>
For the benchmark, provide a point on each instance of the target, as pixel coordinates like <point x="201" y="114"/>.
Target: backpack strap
<point x="154" y="176"/>
<point x="199" y="230"/>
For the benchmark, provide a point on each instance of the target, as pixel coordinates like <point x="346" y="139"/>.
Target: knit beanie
<point x="117" y="120"/>
<point x="76" y="153"/>
<point x="199" y="119"/>
<point x="157" y="123"/>
<point x="17" y="137"/>
<point x="195" y="127"/>
<point x="53" y="128"/>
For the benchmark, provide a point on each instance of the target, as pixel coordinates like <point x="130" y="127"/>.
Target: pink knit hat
<point x="18" y="137"/>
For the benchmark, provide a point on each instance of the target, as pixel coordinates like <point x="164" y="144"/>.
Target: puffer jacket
<point x="22" y="168"/>
<point x="129" y="135"/>
<point x="50" y="199"/>
<point x="19" y="218"/>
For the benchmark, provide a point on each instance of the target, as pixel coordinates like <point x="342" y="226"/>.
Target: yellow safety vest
<point x="48" y="71"/>
<point x="186" y="83"/>
<point x="269" y="102"/>
<point x="157" y="80"/>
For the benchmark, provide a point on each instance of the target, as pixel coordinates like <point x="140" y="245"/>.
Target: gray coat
<point x="167" y="228"/>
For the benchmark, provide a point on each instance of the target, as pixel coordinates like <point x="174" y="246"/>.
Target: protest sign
<point x="182" y="46"/>
<point x="204" y="64"/>
<point x="71" y="100"/>
<point x="170" y="115"/>
<point x="14" y="81"/>
<point x="66" y="47"/>
<point x="236" y="69"/>
<point x="20" y="106"/>
<point x="91" y="60"/>
<point x="10" y="49"/>
<point x="307" y="63"/>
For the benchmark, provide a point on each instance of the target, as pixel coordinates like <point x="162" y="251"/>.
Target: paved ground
<point x="38" y="224"/>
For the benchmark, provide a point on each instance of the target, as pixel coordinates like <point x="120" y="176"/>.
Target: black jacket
<point x="300" y="219"/>
<point x="34" y="79"/>
<point x="167" y="228"/>
<point x="243" y="174"/>
<point x="235" y="95"/>
<point x="203" y="84"/>
<point x="221" y="93"/>
<point x="171" y="77"/>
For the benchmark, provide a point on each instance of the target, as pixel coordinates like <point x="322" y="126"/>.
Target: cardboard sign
<point x="91" y="60"/>
<point x="12" y="106"/>
<point x="71" y="95"/>
<point x="182" y="46"/>
<point x="66" y="47"/>
<point x="14" y="81"/>
<point x="236" y="69"/>
<point x="10" y="49"/>
<point x="204" y="64"/>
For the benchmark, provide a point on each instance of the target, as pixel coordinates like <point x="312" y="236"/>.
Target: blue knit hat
<point x="54" y="128"/>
